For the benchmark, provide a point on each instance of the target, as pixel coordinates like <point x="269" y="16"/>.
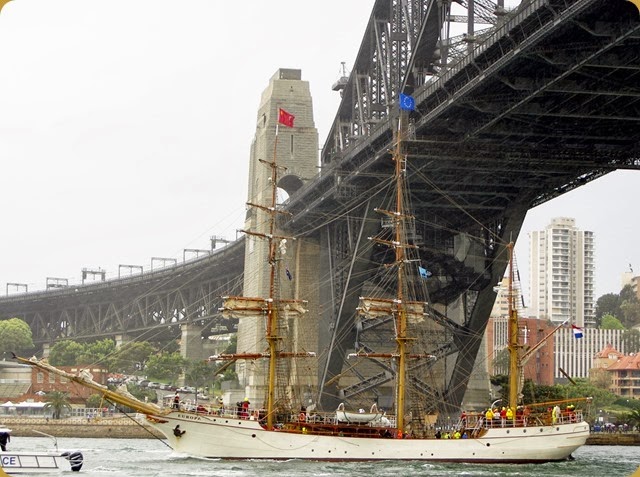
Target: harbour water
<point x="151" y="458"/>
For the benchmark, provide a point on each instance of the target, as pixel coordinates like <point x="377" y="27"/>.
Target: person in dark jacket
<point x="4" y="439"/>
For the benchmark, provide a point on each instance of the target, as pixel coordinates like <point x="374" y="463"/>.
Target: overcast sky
<point x="125" y="129"/>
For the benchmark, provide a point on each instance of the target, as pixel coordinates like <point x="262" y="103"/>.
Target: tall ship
<point x="285" y="425"/>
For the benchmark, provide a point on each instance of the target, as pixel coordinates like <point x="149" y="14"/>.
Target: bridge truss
<point x="545" y="101"/>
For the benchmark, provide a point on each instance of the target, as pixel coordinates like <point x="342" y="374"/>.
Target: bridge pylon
<point x="296" y="155"/>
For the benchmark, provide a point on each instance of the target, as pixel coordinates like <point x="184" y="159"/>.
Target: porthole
<point x="524" y="431"/>
<point x="253" y="435"/>
<point x="508" y="431"/>
<point x="488" y="444"/>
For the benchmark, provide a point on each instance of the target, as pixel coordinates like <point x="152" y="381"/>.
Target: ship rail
<point x="545" y="418"/>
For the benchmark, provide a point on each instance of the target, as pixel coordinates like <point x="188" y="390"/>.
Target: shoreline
<point x="110" y="427"/>
<point x="123" y="427"/>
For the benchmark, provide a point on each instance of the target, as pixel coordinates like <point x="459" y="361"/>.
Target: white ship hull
<point x="39" y="462"/>
<point x="232" y="438"/>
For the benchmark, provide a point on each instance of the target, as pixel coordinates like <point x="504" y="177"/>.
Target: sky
<point x="125" y="130"/>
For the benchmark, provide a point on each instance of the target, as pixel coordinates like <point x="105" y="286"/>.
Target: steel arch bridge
<point x="541" y="102"/>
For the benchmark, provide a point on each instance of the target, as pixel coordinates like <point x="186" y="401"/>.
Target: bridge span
<point x="544" y="101"/>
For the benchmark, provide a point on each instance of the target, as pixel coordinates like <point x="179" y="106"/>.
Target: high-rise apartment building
<point x="561" y="273"/>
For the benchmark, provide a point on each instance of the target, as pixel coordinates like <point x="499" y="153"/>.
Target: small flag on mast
<point x="577" y="332"/>
<point x="407" y="103"/>
<point x="285" y="118"/>
<point x="289" y="276"/>
<point x="424" y="273"/>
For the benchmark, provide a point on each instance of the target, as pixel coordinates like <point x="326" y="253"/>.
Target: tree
<point x="610" y="322"/>
<point x="65" y="353"/>
<point x="57" y="402"/>
<point x="95" y="401"/>
<point x="501" y="362"/>
<point x="199" y="374"/>
<point x="165" y="367"/>
<point x="630" y="312"/>
<point x="131" y="358"/>
<point x="608" y="304"/>
<point x="631" y="341"/>
<point x="98" y="352"/>
<point x="15" y="336"/>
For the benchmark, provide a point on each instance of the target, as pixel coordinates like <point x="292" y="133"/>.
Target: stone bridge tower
<point x="297" y="158"/>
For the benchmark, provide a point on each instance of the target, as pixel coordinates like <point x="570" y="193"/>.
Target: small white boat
<point x="14" y="463"/>
<point x="373" y="416"/>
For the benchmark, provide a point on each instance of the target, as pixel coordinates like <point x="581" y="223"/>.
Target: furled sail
<point x="240" y="306"/>
<point x="415" y="311"/>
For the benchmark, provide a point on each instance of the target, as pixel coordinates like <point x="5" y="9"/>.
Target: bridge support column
<point x="122" y="339"/>
<point x="296" y="152"/>
<point x="191" y="341"/>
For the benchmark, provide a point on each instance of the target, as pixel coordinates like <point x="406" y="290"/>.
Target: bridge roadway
<point x="150" y="306"/>
<point x="546" y="103"/>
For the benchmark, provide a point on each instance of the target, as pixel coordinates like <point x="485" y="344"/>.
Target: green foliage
<point x="540" y="393"/>
<point x="199" y="374"/>
<point x="610" y="322"/>
<point x="631" y="341"/>
<point x="633" y="417"/>
<point x="57" y="402"/>
<point x="233" y="345"/>
<point x="131" y="358"/>
<point x="535" y="393"/>
<point x="98" y="352"/>
<point x="633" y="404"/>
<point x="15" y="336"/>
<point x="608" y="304"/>
<point x="501" y="361"/>
<point x="143" y="394"/>
<point x="630" y="312"/>
<point x="65" y="353"/>
<point x="95" y="400"/>
<point x="165" y="366"/>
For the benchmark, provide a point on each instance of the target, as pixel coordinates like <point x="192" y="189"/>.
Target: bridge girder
<point x="533" y="112"/>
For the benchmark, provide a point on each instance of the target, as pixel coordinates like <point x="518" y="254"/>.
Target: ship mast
<point x="514" y="345"/>
<point x="403" y="310"/>
<point x="400" y="239"/>
<point x="272" y="311"/>
<point x="272" y="306"/>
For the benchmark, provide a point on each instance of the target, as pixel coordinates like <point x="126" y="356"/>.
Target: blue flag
<point x="289" y="276"/>
<point x="424" y="273"/>
<point x="407" y="102"/>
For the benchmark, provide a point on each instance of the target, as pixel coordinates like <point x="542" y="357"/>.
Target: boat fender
<point x="75" y="459"/>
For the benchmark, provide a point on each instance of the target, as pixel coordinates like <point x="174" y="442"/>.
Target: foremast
<point x="271" y="306"/>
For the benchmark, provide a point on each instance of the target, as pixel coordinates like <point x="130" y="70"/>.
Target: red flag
<point x="285" y="118"/>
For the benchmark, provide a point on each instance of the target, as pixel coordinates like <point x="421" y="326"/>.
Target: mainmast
<point x="400" y="239"/>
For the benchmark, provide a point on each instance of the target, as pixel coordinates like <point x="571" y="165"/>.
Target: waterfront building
<point x="575" y="356"/>
<point x="561" y="273"/>
<point x="620" y="372"/>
